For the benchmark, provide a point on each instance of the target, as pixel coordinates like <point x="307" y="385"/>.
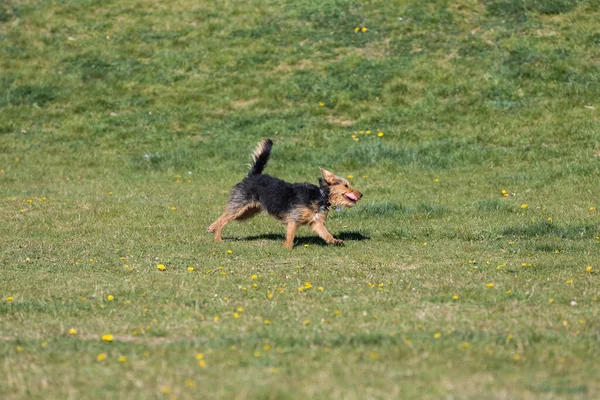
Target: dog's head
<point x="341" y="193"/>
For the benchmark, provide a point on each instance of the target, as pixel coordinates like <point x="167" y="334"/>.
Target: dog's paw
<point x="337" y="242"/>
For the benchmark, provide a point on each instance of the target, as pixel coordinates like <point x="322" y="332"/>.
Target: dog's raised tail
<point x="260" y="157"/>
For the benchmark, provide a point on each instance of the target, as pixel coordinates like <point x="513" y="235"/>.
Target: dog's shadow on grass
<point x="312" y="240"/>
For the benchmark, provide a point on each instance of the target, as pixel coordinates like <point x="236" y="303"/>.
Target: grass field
<point x="124" y="125"/>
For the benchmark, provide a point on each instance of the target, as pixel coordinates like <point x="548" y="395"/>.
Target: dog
<point x="294" y="204"/>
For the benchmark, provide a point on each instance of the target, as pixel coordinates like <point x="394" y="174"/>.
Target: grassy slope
<point x="108" y="108"/>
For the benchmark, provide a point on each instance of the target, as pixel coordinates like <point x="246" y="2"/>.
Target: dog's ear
<point x="329" y="177"/>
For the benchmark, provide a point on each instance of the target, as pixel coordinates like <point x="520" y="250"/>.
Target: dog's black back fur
<point x="278" y="197"/>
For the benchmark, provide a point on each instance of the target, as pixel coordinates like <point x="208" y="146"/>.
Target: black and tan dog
<point x="292" y="203"/>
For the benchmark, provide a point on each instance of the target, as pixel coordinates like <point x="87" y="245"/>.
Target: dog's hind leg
<point x="233" y="213"/>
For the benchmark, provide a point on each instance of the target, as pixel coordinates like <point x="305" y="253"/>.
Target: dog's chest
<point x="311" y="214"/>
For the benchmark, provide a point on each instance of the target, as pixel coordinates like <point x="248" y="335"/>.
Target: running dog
<point x="294" y="204"/>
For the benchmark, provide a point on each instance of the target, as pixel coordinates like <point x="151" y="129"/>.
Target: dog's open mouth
<point x="351" y="196"/>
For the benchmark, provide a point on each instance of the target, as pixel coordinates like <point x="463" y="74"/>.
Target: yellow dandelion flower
<point x="101" y="357"/>
<point x="200" y="356"/>
<point x="267" y="322"/>
<point x="570" y="282"/>
<point x="110" y="297"/>
<point x="306" y="322"/>
<point x="490" y="285"/>
<point x="504" y="193"/>
<point x="270" y="296"/>
<point x="436" y="180"/>
<point x="356" y="29"/>
<point x="72" y="331"/>
<point x="455" y="297"/>
<point x="464" y="345"/>
<point x="509" y="291"/>
<point x="9" y="299"/>
<point x="108" y="337"/>
<point x="551" y="301"/>
<point x="307" y="285"/>
<point x="374" y="355"/>
<point x="592" y="208"/>
<point x="380" y="134"/>
<point x="588" y="268"/>
<point x="202" y="363"/>
<point x="236" y="315"/>
<point x="229" y="251"/>
<point x="161" y="267"/>
<point x="350" y="177"/>
<point x="517" y="357"/>
<point x="190" y="269"/>
<point x="122" y="359"/>
<point x="19" y="348"/>
<point x="165" y="390"/>
<point x="363" y="29"/>
<point x="320" y="288"/>
<point x="190" y="383"/>
<point x="216" y="318"/>
<point x="549" y="219"/>
<point x="173" y="208"/>
<point x="254" y="277"/>
<point x="524" y="206"/>
<point x="437" y="335"/>
<point x="267" y="347"/>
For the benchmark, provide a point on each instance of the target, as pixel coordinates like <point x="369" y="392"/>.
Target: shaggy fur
<point x="292" y="203"/>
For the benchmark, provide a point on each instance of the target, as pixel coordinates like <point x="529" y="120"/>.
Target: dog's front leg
<point x="291" y="232"/>
<point x="319" y="228"/>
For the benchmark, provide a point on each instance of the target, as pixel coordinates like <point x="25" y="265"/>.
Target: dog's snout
<point x="360" y="195"/>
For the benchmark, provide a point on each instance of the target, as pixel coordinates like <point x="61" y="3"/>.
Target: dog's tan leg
<point x="241" y="213"/>
<point x="291" y="232"/>
<point x="219" y="224"/>
<point x="319" y="228"/>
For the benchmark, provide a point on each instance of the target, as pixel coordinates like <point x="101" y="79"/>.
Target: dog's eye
<point x="346" y="185"/>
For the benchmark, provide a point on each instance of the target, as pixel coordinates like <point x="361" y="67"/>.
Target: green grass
<point x="124" y="125"/>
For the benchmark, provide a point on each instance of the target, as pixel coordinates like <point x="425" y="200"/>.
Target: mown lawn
<point x="471" y="266"/>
